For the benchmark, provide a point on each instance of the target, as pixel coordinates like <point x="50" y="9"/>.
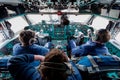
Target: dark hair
<point x="54" y="56"/>
<point x="65" y="22"/>
<point x="26" y="28"/>
<point x="102" y="35"/>
<point x="27" y="37"/>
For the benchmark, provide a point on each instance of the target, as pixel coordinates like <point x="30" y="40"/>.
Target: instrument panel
<point x="55" y="33"/>
<point x="48" y="32"/>
<point x="60" y="32"/>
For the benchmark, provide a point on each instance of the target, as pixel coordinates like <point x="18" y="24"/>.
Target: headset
<point x="65" y="67"/>
<point x="31" y="39"/>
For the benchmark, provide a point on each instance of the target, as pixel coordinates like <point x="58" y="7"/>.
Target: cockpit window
<point x="79" y="18"/>
<point x="37" y="18"/>
<point x="99" y="22"/>
<point x="17" y="24"/>
<point x="117" y="31"/>
<point x="54" y="18"/>
<point x="118" y="37"/>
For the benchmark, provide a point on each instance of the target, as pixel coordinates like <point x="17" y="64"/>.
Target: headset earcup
<point x="32" y="40"/>
<point x="94" y="37"/>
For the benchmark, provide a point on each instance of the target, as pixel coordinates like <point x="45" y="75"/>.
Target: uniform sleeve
<point x="16" y="48"/>
<point x="20" y="68"/>
<point x="44" y="50"/>
<point x="107" y="51"/>
<point x="78" y="51"/>
<point x="72" y="44"/>
<point x="27" y="58"/>
<point x="81" y="50"/>
<point x="40" y="50"/>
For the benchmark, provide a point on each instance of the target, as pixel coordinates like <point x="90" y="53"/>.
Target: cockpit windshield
<point x="55" y="19"/>
<point x="79" y="18"/>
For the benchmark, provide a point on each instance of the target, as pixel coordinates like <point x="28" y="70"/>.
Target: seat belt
<point x="94" y="64"/>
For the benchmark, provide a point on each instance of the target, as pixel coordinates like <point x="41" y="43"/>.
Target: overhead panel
<point x="10" y="1"/>
<point x="108" y="1"/>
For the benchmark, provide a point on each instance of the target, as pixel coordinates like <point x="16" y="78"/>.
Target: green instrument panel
<point x="113" y="49"/>
<point x="59" y="31"/>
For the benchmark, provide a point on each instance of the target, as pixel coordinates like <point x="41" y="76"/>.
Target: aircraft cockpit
<point x="46" y="25"/>
<point x="49" y="25"/>
<point x="45" y="18"/>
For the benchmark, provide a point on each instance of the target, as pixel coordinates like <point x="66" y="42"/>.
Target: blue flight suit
<point x="91" y="48"/>
<point x="31" y="49"/>
<point x="20" y="69"/>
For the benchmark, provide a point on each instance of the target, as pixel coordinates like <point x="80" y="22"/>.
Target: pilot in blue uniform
<point x="27" y="45"/>
<point x="27" y="38"/>
<point x="55" y="66"/>
<point x="92" y="47"/>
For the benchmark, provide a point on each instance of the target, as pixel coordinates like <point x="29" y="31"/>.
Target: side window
<point x="2" y="33"/>
<point x="99" y="22"/>
<point x="117" y="32"/>
<point x="118" y="37"/>
<point x="17" y="24"/>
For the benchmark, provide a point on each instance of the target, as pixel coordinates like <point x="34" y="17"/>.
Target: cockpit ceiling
<point x="22" y="1"/>
<point x="52" y="6"/>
